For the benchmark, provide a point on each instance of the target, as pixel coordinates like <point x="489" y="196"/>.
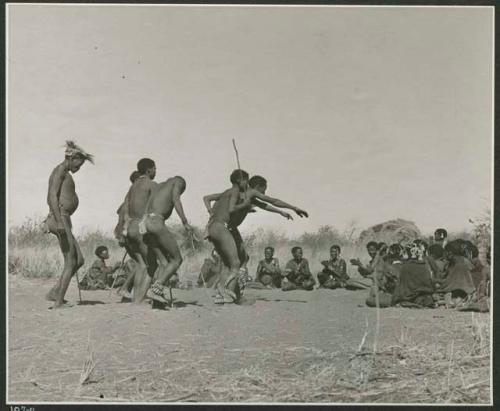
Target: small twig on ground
<point x="135" y="375"/>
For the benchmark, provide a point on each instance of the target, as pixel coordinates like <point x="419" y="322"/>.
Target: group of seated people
<point x="415" y="274"/>
<point x="296" y="275"/>
<point x="444" y="273"/>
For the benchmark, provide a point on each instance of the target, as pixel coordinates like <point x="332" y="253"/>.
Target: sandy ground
<point x="296" y="346"/>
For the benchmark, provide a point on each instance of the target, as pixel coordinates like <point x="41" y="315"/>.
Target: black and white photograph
<point x="221" y="204"/>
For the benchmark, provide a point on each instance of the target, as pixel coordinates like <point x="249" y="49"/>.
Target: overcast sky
<point x="351" y="113"/>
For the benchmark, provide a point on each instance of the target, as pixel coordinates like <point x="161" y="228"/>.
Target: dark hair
<point x="372" y="244"/>
<point x="436" y="250"/>
<point x="418" y="241"/>
<point x="237" y="176"/>
<point x="337" y="247"/>
<point x="81" y="156"/>
<point x="294" y="249"/>
<point x="474" y="251"/>
<point x="269" y="248"/>
<point x="100" y="249"/>
<point x="395" y="249"/>
<point x="454" y="247"/>
<point x="257" y="181"/>
<point x="134" y="176"/>
<point x="441" y="231"/>
<point x="144" y="164"/>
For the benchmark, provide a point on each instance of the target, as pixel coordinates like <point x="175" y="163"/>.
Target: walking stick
<point x="78" y="285"/>
<point x="171" y="296"/>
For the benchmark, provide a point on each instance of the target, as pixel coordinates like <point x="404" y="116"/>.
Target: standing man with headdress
<point x="63" y="202"/>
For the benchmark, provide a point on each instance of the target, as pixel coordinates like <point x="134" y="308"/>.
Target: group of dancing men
<point x="142" y="231"/>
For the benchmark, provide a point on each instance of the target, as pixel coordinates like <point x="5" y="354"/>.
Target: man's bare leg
<point x="171" y="253"/>
<point x="156" y="291"/>
<point x="167" y="251"/>
<point x="225" y="245"/>
<point x="139" y="250"/>
<point x="141" y="281"/>
<point x="73" y="260"/>
<point x="126" y="289"/>
<point x="70" y="268"/>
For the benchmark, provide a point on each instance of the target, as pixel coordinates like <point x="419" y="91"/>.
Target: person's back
<point x="139" y="195"/>
<point x="458" y="277"/>
<point x="415" y="284"/>
<point x="162" y="200"/>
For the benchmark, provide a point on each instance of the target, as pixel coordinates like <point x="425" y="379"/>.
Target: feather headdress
<point x="72" y="149"/>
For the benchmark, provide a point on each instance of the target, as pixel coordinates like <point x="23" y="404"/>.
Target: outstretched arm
<point x="271" y="209"/>
<point x="279" y="203"/>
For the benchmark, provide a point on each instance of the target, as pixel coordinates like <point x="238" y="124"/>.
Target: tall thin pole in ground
<point x="237" y="155"/>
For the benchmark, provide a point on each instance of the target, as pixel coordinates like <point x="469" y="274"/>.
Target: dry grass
<point x="34" y="254"/>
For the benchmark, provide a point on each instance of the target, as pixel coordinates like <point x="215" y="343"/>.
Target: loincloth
<point x="142" y="223"/>
<point x="50" y="219"/>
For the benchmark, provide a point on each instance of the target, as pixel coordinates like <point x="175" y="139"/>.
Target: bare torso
<point x="67" y="198"/>
<point x="237" y="217"/>
<point x="139" y="195"/>
<point x="220" y="210"/>
<point x="162" y="202"/>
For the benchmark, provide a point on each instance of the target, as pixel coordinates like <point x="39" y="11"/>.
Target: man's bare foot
<point x="124" y="294"/>
<point x="156" y="297"/>
<point x="64" y="305"/>
<point x="225" y="298"/>
<point x="52" y="297"/>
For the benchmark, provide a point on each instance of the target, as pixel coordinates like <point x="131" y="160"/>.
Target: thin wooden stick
<point x="78" y="285"/>
<point x="171" y="296"/>
<point x="237" y="156"/>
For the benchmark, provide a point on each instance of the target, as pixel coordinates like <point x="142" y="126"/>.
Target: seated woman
<point x="100" y="276"/>
<point x="268" y="271"/>
<point x="297" y="273"/>
<point x="458" y="284"/>
<point x="334" y="273"/>
<point x="415" y="287"/>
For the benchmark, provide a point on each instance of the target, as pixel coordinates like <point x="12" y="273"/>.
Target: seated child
<point x="297" y="274"/>
<point x="268" y="270"/>
<point x="100" y="276"/>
